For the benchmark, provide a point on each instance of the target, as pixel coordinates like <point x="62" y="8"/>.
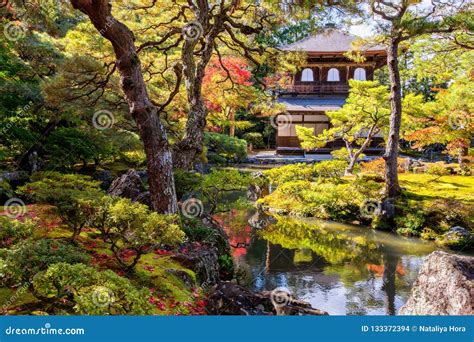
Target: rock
<point x="144" y="198"/>
<point x="445" y="286"/>
<point x="129" y="185"/>
<point x="14" y="175"/>
<point x="261" y="220"/>
<point x="202" y="259"/>
<point x="184" y="276"/>
<point x="219" y="239"/>
<point x="228" y="298"/>
<point x="254" y="192"/>
<point x="105" y="177"/>
<point x="457" y="238"/>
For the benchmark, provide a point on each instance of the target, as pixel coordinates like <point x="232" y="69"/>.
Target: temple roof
<point x="328" y="42"/>
<point x="308" y="104"/>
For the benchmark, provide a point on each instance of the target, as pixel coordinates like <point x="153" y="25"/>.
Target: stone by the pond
<point x="227" y="298"/>
<point x="128" y="185"/>
<point x="261" y="220"/>
<point x="202" y="259"/>
<point x="457" y="238"/>
<point x="445" y="286"/>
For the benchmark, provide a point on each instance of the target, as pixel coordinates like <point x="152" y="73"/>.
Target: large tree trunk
<point x="392" y="187"/>
<point x="151" y="130"/>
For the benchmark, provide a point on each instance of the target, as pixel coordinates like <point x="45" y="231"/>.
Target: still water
<point x="342" y="269"/>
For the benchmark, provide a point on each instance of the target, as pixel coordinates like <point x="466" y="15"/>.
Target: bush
<point x="186" y="182"/>
<point x="411" y="223"/>
<point x="196" y="231"/>
<point x="225" y="148"/>
<point x="6" y="190"/>
<point x="330" y="168"/>
<point x="13" y="231"/>
<point x="219" y="182"/>
<point x="68" y="146"/>
<point x="290" y="173"/>
<point x="438" y="170"/>
<point x="131" y="226"/>
<point x="86" y="291"/>
<point x="322" y="200"/>
<point x="74" y="196"/>
<point x="45" y="180"/>
<point x="377" y="166"/>
<point x="443" y="214"/>
<point x="24" y="260"/>
<point x="255" y="139"/>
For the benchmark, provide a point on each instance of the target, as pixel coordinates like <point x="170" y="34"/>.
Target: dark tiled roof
<point x="330" y="41"/>
<point x="302" y="104"/>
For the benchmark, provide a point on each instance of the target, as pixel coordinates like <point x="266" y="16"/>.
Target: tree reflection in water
<point x="342" y="269"/>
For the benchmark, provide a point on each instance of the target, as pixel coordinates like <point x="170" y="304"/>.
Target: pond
<point x="342" y="269"/>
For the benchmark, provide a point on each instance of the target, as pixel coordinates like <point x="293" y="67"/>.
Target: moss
<point x="423" y="187"/>
<point x="12" y="298"/>
<point x="152" y="271"/>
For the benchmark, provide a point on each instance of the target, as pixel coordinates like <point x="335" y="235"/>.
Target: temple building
<point x="321" y="85"/>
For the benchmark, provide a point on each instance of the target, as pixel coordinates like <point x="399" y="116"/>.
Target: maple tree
<point x="448" y="120"/>
<point x="234" y="91"/>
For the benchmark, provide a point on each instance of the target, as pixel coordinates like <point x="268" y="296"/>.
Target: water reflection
<point x="342" y="269"/>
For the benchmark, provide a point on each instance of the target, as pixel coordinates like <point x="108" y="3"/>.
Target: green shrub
<point x="323" y="200"/>
<point x="85" y="291"/>
<point x="131" y="226"/>
<point x="438" y="170"/>
<point x="65" y="181"/>
<point x="219" y="182"/>
<point x="68" y="146"/>
<point x="74" y="196"/>
<point x="254" y="138"/>
<point x="6" y="190"/>
<point x="196" y="231"/>
<point x="443" y="214"/>
<point x="290" y="173"/>
<point x="330" y="168"/>
<point x="13" y="231"/>
<point x="226" y="148"/>
<point x="186" y="182"/>
<point x="410" y="223"/>
<point x="25" y="259"/>
<point x="226" y="266"/>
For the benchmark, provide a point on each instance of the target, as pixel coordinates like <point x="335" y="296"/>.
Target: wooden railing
<point x="317" y="88"/>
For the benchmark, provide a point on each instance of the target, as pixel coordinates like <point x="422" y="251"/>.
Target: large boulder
<point x="130" y="185"/>
<point x="227" y="298"/>
<point x="445" y="286"/>
<point x="203" y="259"/>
